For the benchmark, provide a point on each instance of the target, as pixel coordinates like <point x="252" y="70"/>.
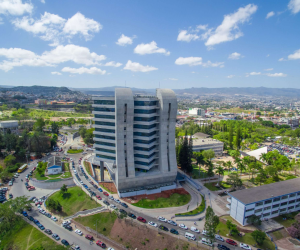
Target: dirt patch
<point x="136" y="236"/>
<point x="110" y="186"/>
<point x="279" y="234"/>
<point x="164" y="194"/>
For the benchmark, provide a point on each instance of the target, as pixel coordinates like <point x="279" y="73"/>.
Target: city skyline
<point x="147" y="45"/>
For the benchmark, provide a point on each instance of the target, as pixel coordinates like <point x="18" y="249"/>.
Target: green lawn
<point x="54" y="175"/>
<point x="74" y="151"/>
<point x="211" y="186"/>
<point x="105" y="222"/>
<point x="196" y="174"/>
<point x="88" y="169"/>
<point x="74" y="200"/>
<point x="23" y="236"/>
<point x="175" y="200"/>
<point x="197" y="210"/>
<point x="38" y="176"/>
<point x="247" y="238"/>
<point x="288" y="222"/>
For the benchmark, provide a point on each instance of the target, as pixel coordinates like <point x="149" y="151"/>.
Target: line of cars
<point x="3" y="194"/>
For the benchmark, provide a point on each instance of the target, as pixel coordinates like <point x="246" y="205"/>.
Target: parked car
<point x="231" y="242"/>
<point x="106" y="203"/>
<point x="98" y="197"/>
<point x="113" y="207"/>
<point x="163" y="228"/>
<point x="153" y="224"/>
<point x="194" y="229"/>
<point x="78" y="232"/>
<point x="53" y="218"/>
<point x="223" y="247"/>
<point x="172" y="222"/>
<point x="48" y="231"/>
<point x="124" y="204"/>
<point x="101" y="244"/>
<point x="218" y="237"/>
<point x="141" y="219"/>
<point x="65" y="242"/>
<point x="173" y="231"/>
<point x="105" y="193"/>
<point x="132" y="216"/>
<point x="183" y="226"/>
<point x="89" y="237"/>
<point x="55" y="236"/>
<point x="162" y="219"/>
<point x="68" y="227"/>
<point x="245" y="246"/>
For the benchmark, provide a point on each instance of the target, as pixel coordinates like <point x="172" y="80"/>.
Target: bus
<point x="21" y="169"/>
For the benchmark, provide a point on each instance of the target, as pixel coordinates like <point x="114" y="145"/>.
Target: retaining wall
<point x="52" y="185"/>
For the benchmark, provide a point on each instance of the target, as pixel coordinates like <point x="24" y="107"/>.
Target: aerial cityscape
<point x="149" y="125"/>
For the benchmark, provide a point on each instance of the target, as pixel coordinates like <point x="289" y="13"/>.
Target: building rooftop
<point x="200" y="135"/>
<point x="54" y="166"/>
<point x="268" y="191"/>
<point x="198" y="142"/>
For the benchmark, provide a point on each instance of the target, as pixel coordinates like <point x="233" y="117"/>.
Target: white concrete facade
<point x="136" y="135"/>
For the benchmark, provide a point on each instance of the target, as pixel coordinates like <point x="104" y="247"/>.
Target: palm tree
<point x="220" y="171"/>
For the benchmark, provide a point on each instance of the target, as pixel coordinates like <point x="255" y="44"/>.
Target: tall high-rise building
<point x="135" y="138"/>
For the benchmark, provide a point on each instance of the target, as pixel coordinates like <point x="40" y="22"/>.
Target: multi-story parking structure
<point x="135" y="138"/>
<point x="265" y="201"/>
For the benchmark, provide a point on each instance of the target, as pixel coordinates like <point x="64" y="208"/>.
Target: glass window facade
<point x="105" y="137"/>
<point x="258" y="210"/>
<point x="144" y="126"/>
<point x="144" y="156"/>
<point x="104" y="102"/>
<point x="275" y="212"/>
<point x="143" y="141"/>
<point x="144" y="149"/>
<point x="106" y="157"/>
<point x="105" y="109"/>
<point x="105" y="143"/>
<point x="144" y="163"/>
<point x="259" y="204"/>
<point x="291" y="207"/>
<point x="105" y="123"/>
<point x="284" y="197"/>
<point x="268" y="201"/>
<point x="144" y="111"/>
<point x="276" y="199"/>
<point x="106" y="130"/>
<point x="144" y="134"/>
<point x="274" y="206"/>
<point x="105" y="116"/>
<point x="106" y="150"/>
<point x="292" y="195"/>
<point x="144" y="119"/>
<point x="145" y="103"/>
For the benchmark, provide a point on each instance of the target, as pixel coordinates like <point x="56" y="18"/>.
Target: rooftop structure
<point x="203" y="142"/>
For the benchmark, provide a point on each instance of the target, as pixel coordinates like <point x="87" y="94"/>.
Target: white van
<point x="190" y="236"/>
<point x="206" y="242"/>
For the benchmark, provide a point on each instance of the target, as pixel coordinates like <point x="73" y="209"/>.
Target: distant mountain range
<point x="260" y="91"/>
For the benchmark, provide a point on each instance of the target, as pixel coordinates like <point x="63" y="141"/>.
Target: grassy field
<point x="67" y="173"/>
<point x="212" y="185"/>
<point x="288" y="222"/>
<point x="105" y="222"/>
<point x="175" y="200"/>
<point x="54" y="175"/>
<point x="107" y="189"/>
<point x="88" y="168"/>
<point x="74" y="200"/>
<point x="196" y="174"/>
<point x="247" y="238"/>
<point x="38" y="176"/>
<point x="197" y="210"/>
<point x="74" y="151"/>
<point x="24" y="236"/>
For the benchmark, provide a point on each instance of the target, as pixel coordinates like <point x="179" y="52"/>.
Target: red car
<point x="89" y="237"/>
<point x="98" y="197"/>
<point x="101" y="244"/>
<point x="141" y="219"/>
<point x="105" y="193"/>
<point x="231" y="242"/>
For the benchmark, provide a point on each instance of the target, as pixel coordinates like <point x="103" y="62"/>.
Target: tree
<point x="259" y="236"/>
<point x="64" y="189"/>
<point x="220" y="171"/>
<point x="9" y="160"/>
<point x="54" y="128"/>
<point x="254" y="220"/>
<point x="230" y="138"/>
<point x="184" y="155"/>
<point x="211" y="223"/>
<point x="232" y="228"/>
<point x="200" y="159"/>
<point x="208" y="154"/>
<point x="238" y="138"/>
<point x="234" y="180"/>
<point x="39" y="125"/>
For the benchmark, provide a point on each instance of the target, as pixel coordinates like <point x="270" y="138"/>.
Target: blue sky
<point x="178" y="44"/>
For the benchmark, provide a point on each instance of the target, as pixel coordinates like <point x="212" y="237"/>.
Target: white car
<point x="75" y="247"/>
<point x="10" y="183"/>
<point x="162" y="218"/>
<point x="172" y="222"/>
<point x="151" y="223"/>
<point x="194" y="229"/>
<point x="67" y="222"/>
<point x="113" y="206"/>
<point x="204" y="232"/>
<point x="245" y="246"/>
<point x="75" y="171"/>
<point x="110" y="248"/>
<point x="111" y="197"/>
<point x="183" y="226"/>
<point x="218" y="237"/>
<point x="81" y="182"/>
<point x="78" y="232"/>
<point x="54" y="218"/>
<point x="117" y="200"/>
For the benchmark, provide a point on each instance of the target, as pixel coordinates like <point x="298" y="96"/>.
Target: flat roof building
<point x="203" y="142"/>
<point x="265" y="201"/>
<point x="11" y="125"/>
<point x="135" y="138"/>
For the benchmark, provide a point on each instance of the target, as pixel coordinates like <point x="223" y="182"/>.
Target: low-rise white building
<point x="265" y="201"/>
<point x="54" y="170"/>
<point x="197" y="111"/>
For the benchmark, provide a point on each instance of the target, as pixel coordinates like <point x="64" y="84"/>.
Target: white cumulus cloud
<point x="137" y="67"/>
<point x="235" y="56"/>
<point x="82" y="70"/>
<point x="150" y="48"/>
<point x="16" y="57"/>
<point x="79" y="24"/>
<point x="15" y="7"/>
<point x="270" y="69"/>
<point x="294" y="56"/>
<point x="281" y="59"/>
<point x="193" y="61"/>
<point x="229" y="29"/>
<point x="270" y="14"/>
<point x="230" y="76"/>
<point x="113" y="64"/>
<point x="173" y="79"/>
<point x="294" y="6"/>
<point x="187" y="37"/>
<point x="125" y="40"/>
<point x="56" y="73"/>
<point x="276" y="75"/>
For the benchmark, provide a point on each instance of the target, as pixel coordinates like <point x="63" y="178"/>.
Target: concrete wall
<point x="52" y="185"/>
